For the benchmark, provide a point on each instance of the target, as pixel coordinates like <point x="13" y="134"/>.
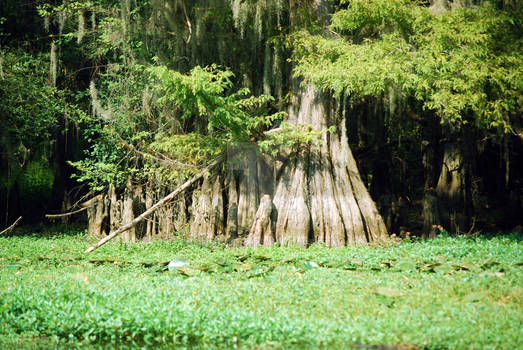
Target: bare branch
<point x="90" y="202"/>
<point x="11" y="227"/>
<point x="54" y="216"/>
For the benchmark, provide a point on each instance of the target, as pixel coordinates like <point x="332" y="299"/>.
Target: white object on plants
<point x="310" y="265"/>
<point x="176" y="263"/>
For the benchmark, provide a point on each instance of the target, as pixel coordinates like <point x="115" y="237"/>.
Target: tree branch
<point x="88" y="203"/>
<point x="54" y="216"/>
<point x="11" y="227"/>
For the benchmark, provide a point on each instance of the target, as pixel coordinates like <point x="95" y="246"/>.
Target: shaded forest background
<point x="109" y="100"/>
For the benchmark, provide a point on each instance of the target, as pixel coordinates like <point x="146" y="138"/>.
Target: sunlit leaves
<point x="463" y="63"/>
<point x="208" y="93"/>
<point x="288" y="136"/>
<point x="364" y="18"/>
<point x="190" y="148"/>
<point x="286" y="297"/>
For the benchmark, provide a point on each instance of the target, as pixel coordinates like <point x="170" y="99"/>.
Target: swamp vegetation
<point x="354" y="119"/>
<point x="222" y="137"/>
<point x="446" y="293"/>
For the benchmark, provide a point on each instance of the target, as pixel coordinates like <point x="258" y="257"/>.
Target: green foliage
<point x="147" y="113"/>
<point x="105" y="161"/>
<point x="155" y="117"/>
<point x="36" y="181"/>
<point x="291" y="137"/>
<point x="31" y="114"/>
<point x="206" y="93"/>
<point x="261" y="298"/>
<point x="371" y="18"/>
<point x="25" y="78"/>
<point x="191" y="148"/>
<point x="99" y="174"/>
<point x="464" y="63"/>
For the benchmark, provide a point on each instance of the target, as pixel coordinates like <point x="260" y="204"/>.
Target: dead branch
<point x="83" y="206"/>
<point x="90" y="202"/>
<point x="55" y="216"/>
<point x="159" y="204"/>
<point x="11" y="227"/>
<point x="77" y="189"/>
<point x="187" y="23"/>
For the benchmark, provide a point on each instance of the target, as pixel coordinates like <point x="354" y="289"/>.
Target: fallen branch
<point x="160" y="203"/>
<point x="54" y="216"/>
<point x="11" y="227"/>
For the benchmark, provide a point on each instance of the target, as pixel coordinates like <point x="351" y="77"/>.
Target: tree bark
<point x="432" y="157"/>
<point x="320" y="196"/>
<point x="261" y="232"/>
<point x="127" y="213"/>
<point x="97" y="215"/>
<point x="454" y="183"/>
<point x="115" y="212"/>
<point x="208" y="210"/>
<point x="150" y="223"/>
<point x="231" y="226"/>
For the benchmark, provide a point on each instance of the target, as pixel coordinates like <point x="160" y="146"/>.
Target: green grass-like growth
<point x="448" y="293"/>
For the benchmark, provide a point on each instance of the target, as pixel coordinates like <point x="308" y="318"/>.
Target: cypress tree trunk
<point x="127" y="213"/>
<point x="317" y="193"/>
<point x="261" y="230"/>
<point x="208" y="206"/>
<point x="97" y="216"/>
<point x="454" y="188"/>
<point x="320" y="196"/>
<point x="432" y="167"/>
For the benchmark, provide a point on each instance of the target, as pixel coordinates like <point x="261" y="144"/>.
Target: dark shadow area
<point x="515" y="236"/>
<point x="48" y="231"/>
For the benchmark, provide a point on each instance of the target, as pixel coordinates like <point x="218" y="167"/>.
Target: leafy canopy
<point x="180" y="122"/>
<point x="207" y="93"/>
<point x="464" y="63"/>
<point x="24" y="78"/>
